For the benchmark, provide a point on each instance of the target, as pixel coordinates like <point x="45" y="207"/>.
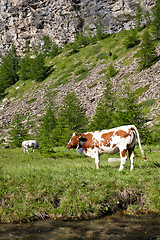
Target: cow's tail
<point x="139" y="142"/>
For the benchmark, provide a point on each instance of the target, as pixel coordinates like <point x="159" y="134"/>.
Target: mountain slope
<point x="83" y="72"/>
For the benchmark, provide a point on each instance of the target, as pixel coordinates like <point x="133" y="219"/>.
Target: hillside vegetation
<point x="83" y="68"/>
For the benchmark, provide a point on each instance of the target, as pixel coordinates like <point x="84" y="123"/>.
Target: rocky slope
<point x="31" y="102"/>
<point x="22" y="20"/>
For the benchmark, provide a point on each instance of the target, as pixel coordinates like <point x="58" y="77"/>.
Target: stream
<point x="117" y="226"/>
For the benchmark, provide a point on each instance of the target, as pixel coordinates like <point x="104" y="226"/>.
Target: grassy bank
<point x="33" y="187"/>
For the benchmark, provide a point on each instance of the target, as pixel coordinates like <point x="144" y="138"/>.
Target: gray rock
<point x="21" y="20"/>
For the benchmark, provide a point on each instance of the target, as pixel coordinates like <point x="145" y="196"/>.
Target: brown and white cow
<point x="120" y="139"/>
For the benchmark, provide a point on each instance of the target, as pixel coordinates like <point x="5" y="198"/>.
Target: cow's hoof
<point x="120" y="169"/>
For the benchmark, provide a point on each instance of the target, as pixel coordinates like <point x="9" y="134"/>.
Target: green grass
<point x="69" y="185"/>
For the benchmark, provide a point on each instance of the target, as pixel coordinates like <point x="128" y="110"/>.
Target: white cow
<point x="30" y="144"/>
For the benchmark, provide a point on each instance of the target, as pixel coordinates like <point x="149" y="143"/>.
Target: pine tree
<point x="45" y="136"/>
<point x="128" y="111"/>
<point x="47" y="45"/>
<point x="147" y="52"/>
<point x="9" y="69"/>
<point x="38" y="68"/>
<point x="139" y="16"/>
<point x="111" y="71"/>
<point x="25" y="68"/>
<point x="104" y="116"/>
<point x="61" y="132"/>
<point x="156" y="19"/>
<point x="18" y="132"/>
<point x="73" y="113"/>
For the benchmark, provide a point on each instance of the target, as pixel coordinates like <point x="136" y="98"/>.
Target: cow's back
<point x="30" y="143"/>
<point x="109" y="141"/>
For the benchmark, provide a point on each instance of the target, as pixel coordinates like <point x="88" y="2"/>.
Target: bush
<point x="111" y="71"/>
<point x="131" y="39"/>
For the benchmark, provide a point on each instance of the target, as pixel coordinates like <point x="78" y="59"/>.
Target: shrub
<point x="81" y="73"/>
<point x="111" y="71"/>
<point x="102" y="55"/>
<point x="131" y="39"/>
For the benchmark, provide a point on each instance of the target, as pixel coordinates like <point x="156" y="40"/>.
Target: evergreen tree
<point x="139" y="16"/>
<point x="104" y="116"/>
<point x="18" y="132"/>
<point x="33" y="68"/>
<point x="9" y="69"/>
<point x="27" y="49"/>
<point x="47" y="45"/>
<point x="128" y="111"/>
<point x="61" y="132"/>
<point x="156" y="19"/>
<point x="25" y="68"/>
<point x="55" y="50"/>
<point x="45" y="136"/>
<point x="72" y="112"/>
<point x="38" y="68"/>
<point x="49" y="48"/>
<point x="147" y="52"/>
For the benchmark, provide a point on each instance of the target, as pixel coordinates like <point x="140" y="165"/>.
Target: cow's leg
<point x="33" y="149"/>
<point x="123" y="154"/>
<point x="131" y="157"/>
<point x="27" y="149"/>
<point x="24" y="149"/>
<point x="97" y="160"/>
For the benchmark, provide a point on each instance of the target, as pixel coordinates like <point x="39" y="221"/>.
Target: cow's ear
<point x="74" y="134"/>
<point x="82" y="139"/>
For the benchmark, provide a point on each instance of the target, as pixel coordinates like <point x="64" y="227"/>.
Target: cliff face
<point x="22" y="20"/>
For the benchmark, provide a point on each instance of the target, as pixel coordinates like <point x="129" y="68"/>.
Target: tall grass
<point x="70" y="186"/>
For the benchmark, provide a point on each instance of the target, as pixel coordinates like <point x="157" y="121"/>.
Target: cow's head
<point x="76" y="141"/>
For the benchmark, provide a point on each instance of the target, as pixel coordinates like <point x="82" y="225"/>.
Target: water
<point x="114" y="227"/>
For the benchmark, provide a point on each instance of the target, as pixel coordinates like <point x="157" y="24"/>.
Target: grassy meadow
<point x="69" y="185"/>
